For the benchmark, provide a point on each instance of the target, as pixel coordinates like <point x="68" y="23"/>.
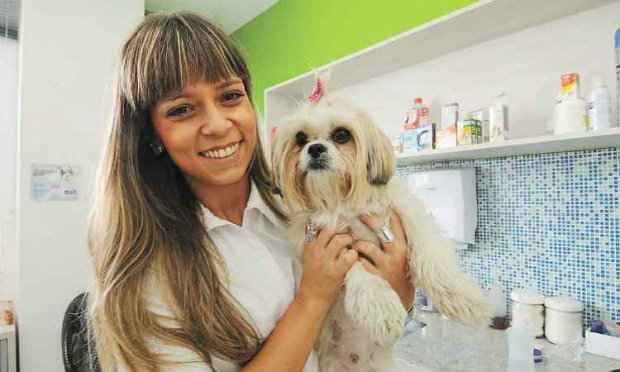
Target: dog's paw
<point x="373" y="306"/>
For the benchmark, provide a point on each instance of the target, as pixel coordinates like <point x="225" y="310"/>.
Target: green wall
<point x="295" y="36"/>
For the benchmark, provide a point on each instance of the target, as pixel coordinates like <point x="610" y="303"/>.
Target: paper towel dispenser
<point x="450" y="195"/>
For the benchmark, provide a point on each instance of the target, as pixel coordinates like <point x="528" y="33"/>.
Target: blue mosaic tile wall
<point x="550" y="222"/>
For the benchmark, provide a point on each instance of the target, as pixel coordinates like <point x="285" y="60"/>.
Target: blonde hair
<point x="145" y="219"/>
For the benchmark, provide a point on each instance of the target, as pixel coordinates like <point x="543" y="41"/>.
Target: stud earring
<point x="157" y="148"/>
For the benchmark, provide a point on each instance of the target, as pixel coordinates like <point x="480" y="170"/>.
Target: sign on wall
<point x="54" y="182"/>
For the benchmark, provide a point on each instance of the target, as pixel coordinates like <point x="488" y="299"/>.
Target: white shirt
<point x="262" y="275"/>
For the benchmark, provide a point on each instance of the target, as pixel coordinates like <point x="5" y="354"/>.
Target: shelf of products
<point x="471" y="25"/>
<point x="522" y="146"/>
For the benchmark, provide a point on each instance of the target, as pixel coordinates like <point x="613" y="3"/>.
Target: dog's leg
<point x="434" y="262"/>
<point x="373" y="305"/>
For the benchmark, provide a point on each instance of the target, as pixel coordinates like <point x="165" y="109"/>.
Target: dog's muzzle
<point x="317" y="154"/>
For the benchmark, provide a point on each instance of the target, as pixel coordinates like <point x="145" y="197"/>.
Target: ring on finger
<point x="385" y="234"/>
<point x="311" y="232"/>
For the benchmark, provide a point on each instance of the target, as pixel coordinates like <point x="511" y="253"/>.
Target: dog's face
<point x="329" y="153"/>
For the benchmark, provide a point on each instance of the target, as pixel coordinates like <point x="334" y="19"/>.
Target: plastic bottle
<point x="498" y="119"/>
<point x="599" y="108"/>
<point x="618" y="71"/>
<point x="417" y="117"/>
<point x="408" y="131"/>
<point x="520" y="349"/>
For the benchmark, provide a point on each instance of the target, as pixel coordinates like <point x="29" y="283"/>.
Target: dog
<point x="331" y="164"/>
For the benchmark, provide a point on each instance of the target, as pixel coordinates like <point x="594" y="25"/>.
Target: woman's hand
<point x="391" y="260"/>
<point x="327" y="259"/>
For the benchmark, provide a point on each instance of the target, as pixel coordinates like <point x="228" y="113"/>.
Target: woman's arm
<point x="326" y="262"/>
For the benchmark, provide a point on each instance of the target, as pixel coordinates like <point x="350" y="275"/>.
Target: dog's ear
<point x="381" y="160"/>
<point x="277" y="143"/>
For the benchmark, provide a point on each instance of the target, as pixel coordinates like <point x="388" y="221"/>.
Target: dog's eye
<point x="301" y="138"/>
<point x="341" y="135"/>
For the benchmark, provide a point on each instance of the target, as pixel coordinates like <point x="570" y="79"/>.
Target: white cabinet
<point x="8" y="358"/>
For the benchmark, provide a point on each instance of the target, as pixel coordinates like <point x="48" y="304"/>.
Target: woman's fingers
<point x="394" y="227"/>
<point x="370" y="251"/>
<point x="369" y="266"/>
<point x="347" y="259"/>
<point x="323" y="237"/>
<point x="337" y="244"/>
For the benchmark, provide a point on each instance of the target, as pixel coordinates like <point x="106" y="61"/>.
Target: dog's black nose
<point x="315" y="150"/>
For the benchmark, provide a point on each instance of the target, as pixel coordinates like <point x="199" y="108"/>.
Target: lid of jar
<point x="529" y="297"/>
<point x="564" y="303"/>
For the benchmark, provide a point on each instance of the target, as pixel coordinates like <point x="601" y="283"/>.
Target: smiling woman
<point x="192" y="269"/>
<point x="209" y="130"/>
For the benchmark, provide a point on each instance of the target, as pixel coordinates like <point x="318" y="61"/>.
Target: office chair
<point x="78" y="349"/>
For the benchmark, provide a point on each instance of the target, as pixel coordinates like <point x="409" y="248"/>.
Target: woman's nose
<point x="215" y="122"/>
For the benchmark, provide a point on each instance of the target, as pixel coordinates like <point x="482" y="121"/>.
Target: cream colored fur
<point x="368" y="318"/>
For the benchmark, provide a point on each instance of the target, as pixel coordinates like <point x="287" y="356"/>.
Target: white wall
<point x="8" y="128"/>
<point x="526" y="65"/>
<point x="68" y="49"/>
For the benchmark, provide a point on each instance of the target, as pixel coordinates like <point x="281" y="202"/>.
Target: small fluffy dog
<point x="331" y="164"/>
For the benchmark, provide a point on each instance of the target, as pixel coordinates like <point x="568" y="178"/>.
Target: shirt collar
<point x="255" y="202"/>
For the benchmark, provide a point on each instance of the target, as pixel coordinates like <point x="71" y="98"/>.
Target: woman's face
<point x="209" y="130"/>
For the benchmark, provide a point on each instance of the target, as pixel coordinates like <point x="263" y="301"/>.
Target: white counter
<point x="447" y="346"/>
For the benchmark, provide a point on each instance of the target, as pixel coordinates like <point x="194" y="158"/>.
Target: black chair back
<point x="78" y="349"/>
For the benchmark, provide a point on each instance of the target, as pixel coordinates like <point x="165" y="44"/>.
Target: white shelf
<point x="472" y="25"/>
<point x="522" y="146"/>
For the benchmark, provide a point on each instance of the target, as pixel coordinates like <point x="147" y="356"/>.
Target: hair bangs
<point x="184" y="49"/>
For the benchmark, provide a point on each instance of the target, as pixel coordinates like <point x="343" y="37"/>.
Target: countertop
<point x="444" y="345"/>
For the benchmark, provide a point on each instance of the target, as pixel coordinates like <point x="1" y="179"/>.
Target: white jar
<point x="564" y="320"/>
<point x="570" y="116"/>
<point x="528" y="311"/>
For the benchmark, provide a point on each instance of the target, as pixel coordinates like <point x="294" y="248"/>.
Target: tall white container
<point x="599" y="106"/>
<point x="618" y="71"/>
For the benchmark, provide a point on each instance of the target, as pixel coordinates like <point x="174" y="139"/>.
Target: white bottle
<point x="498" y="119"/>
<point x="599" y="108"/>
<point x="520" y="342"/>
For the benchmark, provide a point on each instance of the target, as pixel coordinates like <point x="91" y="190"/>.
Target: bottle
<point x="599" y="108"/>
<point x="417" y="117"/>
<point x="408" y="131"/>
<point x="498" y="119"/>
<point x="570" y="114"/>
<point x="424" y="116"/>
<point x="520" y="342"/>
<point x="618" y="71"/>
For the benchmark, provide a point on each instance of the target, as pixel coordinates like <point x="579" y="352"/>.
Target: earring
<point x="157" y="148"/>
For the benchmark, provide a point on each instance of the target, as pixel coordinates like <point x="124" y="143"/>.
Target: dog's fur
<point x="332" y="190"/>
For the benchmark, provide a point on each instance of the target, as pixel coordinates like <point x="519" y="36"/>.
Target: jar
<point x="528" y="311"/>
<point x="6" y="313"/>
<point x="564" y="320"/>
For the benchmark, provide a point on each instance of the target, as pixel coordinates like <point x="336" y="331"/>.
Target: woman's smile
<point x="222" y="153"/>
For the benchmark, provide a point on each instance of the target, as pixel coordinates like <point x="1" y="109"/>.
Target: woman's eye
<point x="232" y="96"/>
<point x="341" y="135"/>
<point x="179" y="111"/>
<point x="301" y="138"/>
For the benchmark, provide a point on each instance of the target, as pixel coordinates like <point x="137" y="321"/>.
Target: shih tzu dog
<point x="331" y="164"/>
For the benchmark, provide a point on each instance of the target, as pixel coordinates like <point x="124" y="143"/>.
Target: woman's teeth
<point x="221" y="153"/>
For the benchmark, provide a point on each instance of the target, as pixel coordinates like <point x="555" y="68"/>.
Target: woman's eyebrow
<point x="173" y="95"/>
<point x="227" y="83"/>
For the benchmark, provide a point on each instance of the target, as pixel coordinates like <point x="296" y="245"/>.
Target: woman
<point x="191" y="268"/>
